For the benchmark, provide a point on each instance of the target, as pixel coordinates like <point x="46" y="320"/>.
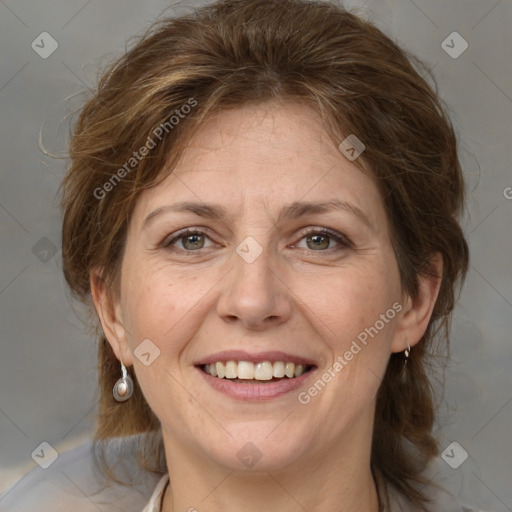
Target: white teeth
<point x="278" y="370"/>
<point x="231" y="370"/>
<point x="246" y="370"/>
<point x="289" y="370"/>
<point x="263" y="371"/>
<point x="299" y="370"/>
<point x="221" y="370"/>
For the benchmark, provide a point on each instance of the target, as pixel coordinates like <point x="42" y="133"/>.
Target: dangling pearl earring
<point x="123" y="388"/>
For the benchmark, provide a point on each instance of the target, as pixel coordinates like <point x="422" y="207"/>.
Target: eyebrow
<point x="292" y="211"/>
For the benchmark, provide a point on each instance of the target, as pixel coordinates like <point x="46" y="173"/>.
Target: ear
<point x="108" y="308"/>
<point x="416" y="314"/>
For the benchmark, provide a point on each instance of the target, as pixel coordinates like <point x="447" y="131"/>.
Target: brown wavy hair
<point x="235" y="52"/>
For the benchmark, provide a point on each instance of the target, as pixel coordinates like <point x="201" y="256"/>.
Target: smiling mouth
<point x="246" y="372"/>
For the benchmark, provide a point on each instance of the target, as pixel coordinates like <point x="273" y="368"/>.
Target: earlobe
<point x="417" y="312"/>
<point x="109" y="313"/>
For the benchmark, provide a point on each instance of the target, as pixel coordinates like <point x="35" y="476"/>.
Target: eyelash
<point x="344" y="242"/>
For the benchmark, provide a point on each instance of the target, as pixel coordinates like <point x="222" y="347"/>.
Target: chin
<point x="256" y="451"/>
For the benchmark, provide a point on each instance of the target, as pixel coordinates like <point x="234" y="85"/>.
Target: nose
<point x="255" y="295"/>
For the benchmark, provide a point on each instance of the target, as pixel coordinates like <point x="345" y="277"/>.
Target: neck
<point x="336" y="479"/>
<point x="273" y="492"/>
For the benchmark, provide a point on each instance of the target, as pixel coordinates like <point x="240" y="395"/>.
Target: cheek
<point x="162" y="305"/>
<point x="351" y="302"/>
<point x="148" y="301"/>
<point x="163" y="309"/>
<point x="364" y="320"/>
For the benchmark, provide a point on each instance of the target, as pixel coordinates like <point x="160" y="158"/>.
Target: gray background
<point x="47" y="359"/>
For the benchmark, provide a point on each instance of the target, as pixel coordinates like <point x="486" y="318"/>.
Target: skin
<point x="295" y="297"/>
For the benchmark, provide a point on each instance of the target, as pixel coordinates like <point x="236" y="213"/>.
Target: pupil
<point x="193" y="239"/>
<point x="316" y="238"/>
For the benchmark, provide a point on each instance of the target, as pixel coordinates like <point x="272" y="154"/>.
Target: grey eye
<point x="318" y="241"/>
<point x="193" y="241"/>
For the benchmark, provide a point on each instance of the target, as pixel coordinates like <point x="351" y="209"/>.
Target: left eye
<point x="321" y="240"/>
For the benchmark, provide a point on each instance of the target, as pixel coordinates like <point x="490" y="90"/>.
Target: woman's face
<point x="268" y="275"/>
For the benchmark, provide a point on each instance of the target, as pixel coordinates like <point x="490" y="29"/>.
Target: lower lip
<point x="255" y="392"/>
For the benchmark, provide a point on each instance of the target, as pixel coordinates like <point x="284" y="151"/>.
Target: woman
<point x="262" y="208"/>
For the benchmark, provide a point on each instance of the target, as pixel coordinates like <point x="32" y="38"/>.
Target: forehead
<point x="271" y="135"/>
<point x="273" y="153"/>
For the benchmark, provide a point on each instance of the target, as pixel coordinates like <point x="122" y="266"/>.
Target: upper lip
<point x="257" y="357"/>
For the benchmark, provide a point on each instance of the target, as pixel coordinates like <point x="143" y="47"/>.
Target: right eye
<point x="191" y="240"/>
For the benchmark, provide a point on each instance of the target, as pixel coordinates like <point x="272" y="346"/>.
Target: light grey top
<point x="72" y="484"/>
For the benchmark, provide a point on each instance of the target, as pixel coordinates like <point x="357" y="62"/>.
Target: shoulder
<point x="73" y="483"/>
<point x="440" y="499"/>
